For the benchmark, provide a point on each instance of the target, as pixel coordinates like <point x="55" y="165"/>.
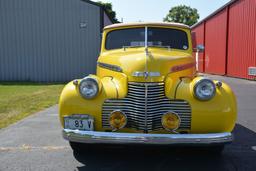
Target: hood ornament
<point x="146" y="73"/>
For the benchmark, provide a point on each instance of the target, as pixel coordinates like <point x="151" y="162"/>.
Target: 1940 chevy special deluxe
<point x="147" y="91"/>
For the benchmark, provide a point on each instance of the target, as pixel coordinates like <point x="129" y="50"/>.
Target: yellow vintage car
<point x="147" y="91"/>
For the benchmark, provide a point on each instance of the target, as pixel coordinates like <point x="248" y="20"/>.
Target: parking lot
<point x="35" y="143"/>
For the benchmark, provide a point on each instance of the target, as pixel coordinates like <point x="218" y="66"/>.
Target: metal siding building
<point x="49" y="40"/>
<point x="229" y="37"/>
<point x="242" y="38"/>
<point x="215" y="43"/>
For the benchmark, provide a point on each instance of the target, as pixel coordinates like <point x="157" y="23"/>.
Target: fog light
<point x="117" y="120"/>
<point x="170" y="121"/>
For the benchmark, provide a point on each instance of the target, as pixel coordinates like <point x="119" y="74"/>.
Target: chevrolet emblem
<point x="146" y="74"/>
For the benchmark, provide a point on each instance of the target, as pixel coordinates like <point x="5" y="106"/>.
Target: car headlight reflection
<point x="88" y="88"/>
<point x="204" y="89"/>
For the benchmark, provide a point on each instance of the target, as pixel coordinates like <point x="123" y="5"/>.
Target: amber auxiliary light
<point x="170" y="121"/>
<point x="117" y="120"/>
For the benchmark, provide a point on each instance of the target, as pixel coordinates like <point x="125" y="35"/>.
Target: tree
<point x="182" y="14"/>
<point x="108" y="7"/>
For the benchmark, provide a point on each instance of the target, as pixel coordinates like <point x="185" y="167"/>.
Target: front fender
<point x="71" y="102"/>
<point x="216" y="115"/>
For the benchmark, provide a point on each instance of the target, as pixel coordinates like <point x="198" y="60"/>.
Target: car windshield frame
<point x="144" y="39"/>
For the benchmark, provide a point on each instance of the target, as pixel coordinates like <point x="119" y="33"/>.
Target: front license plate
<point x="80" y="124"/>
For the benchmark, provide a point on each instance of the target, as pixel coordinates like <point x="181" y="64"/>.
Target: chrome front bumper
<point x="92" y="137"/>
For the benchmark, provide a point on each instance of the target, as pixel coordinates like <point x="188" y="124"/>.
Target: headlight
<point x="204" y="89"/>
<point x="117" y="120"/>
<point x="88" y="88"/>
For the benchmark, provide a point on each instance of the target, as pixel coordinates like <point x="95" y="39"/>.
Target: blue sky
<point x="156" y="10"/>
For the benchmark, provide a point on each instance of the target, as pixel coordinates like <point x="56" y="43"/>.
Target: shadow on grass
<point x="237" y="156"/>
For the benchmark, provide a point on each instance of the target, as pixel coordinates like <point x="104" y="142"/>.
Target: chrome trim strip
<point x="182" y="67"/>
<point x="140" y="138"/>
<point x="110" y="67"/>
<point x="146" y="109"/>
<point x="146" y="52"/>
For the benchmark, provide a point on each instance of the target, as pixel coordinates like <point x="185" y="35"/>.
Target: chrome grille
<point x="144" y="106"/>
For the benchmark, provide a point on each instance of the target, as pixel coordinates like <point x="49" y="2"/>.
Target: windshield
<point x="158" y="37"/>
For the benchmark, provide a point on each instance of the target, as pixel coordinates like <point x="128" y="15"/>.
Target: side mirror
<point x="199" y="48"/>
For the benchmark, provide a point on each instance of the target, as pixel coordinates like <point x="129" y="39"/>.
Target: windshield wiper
<point x="159" y="46"/>
<point x="125" y="47"/>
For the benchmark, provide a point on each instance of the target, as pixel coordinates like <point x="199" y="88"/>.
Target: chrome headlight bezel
<point x="95" y="86"/>
<point x="199" y="84"/>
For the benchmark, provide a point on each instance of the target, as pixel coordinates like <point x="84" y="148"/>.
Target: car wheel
<point x="218" y="149"/>
<point x="215" y="150"/>
<point x="78" y="147"/>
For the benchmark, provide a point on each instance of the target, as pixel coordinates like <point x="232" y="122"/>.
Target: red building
<point x="229" y="37"/>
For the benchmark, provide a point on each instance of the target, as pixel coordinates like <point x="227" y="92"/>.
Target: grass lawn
<point x="18" y="100"/>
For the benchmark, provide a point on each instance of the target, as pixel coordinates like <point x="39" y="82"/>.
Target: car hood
<point x="156" y="64"/>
